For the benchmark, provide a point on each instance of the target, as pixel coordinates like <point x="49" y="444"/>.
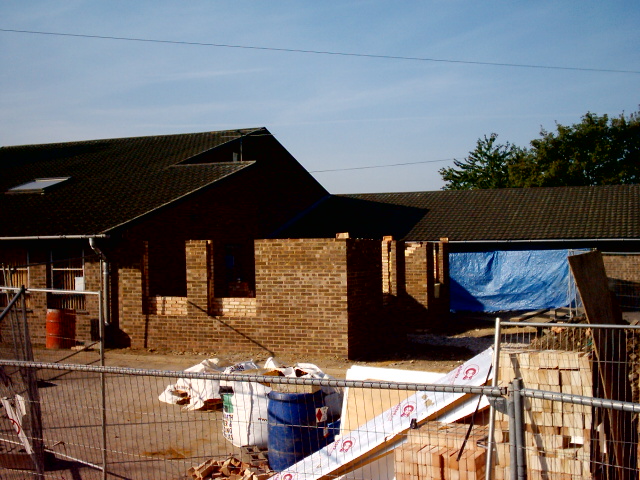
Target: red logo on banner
<point x="16" y="425"/>
<point x="343" y="445"/>
<point x="470" y="372"/>
<point x="346" y="445"/>
<point x="407" y="410"/>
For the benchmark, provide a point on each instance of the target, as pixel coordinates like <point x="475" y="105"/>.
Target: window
<point x="38" y="185"/>
<point x="67" y="273"/>
<point x="237" y="264"/>
<point x="167" y="268"/>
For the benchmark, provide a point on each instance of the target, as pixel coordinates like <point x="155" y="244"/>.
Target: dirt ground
<point x="145" y="435"/>
<point x="436" y="350"/>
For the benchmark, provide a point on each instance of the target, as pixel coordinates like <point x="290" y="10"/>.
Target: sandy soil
<point x="436" y="350"/>
<point x="150" y="439"/>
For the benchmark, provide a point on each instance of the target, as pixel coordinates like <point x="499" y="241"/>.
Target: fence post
<point x="33" y="417"/>
<point x="103" y="387"/>
<point x="492" y="410"/>
<point x="512" y="432"/>
<point x="519" y="469"/>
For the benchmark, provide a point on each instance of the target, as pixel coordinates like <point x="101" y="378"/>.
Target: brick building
<point x="131" y="204"/>
<point x="176" y="231"/>
<point x="221" y="241"/>
<point x="535" y="220"/>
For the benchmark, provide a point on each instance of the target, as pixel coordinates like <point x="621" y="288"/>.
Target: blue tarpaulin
<point x="509" y="280"/>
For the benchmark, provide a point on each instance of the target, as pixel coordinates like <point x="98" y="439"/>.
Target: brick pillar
<point x="430" y="272"/>
<point x="38" y="279"/>
<point x="87" y="325"/>
<point x="198" y="276"/>
<point x="132" y="296"/>
<point x="37" y="301"/>
<point x="416" y="274"/>
<point x="364" y="297"/>
<point x="387" y="265"/>
<point x="443" y="274"/>
<point x="393" y="277"/>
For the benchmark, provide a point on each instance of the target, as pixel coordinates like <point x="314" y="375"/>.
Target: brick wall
<point x="198" y="276"/>
<point x="366" y="328"/>
<point x="301" y="292"/>
<point x="439" y="306"/>
<point x="623" y="272"/>
<point x="37" y="300"/>
<point x="234" y="307"/>
<point x="167" y="305"/>
<point x="132" y="292"/>
<point x="418" y="281"/>
<point x="417" y="276"/>
<point x="313" y="296"/>
<point x="318" y="296"/>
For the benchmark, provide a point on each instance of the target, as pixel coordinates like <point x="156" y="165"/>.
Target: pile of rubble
<point x="252" y="465"/>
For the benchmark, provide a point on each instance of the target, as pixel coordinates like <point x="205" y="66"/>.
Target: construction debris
<point x="254" y="456"/>
<point x="200" y="394"/>
<point x="253" y="465"/>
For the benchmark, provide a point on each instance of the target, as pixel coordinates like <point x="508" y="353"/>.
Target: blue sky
<point x="332" y="112"/>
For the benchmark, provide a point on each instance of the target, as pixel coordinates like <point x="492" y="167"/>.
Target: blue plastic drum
<point x="298" y="425"/>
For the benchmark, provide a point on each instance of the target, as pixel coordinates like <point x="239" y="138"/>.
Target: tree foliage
<point x="597" y="151"/>
<point x="486" y="167"/>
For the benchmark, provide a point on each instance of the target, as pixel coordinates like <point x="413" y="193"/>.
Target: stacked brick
<point x="432" y="452"/>
<point x="557" y="434"/>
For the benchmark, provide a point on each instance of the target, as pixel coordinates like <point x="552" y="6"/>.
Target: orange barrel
<point x="61" y="328"/>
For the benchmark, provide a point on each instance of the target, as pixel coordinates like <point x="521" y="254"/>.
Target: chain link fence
<point x="559" y="419"/>
<point x="563" y="400"/>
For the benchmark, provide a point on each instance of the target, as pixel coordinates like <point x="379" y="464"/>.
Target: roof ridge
<point x="497" y="190"/>
<point x="249" y="131"/>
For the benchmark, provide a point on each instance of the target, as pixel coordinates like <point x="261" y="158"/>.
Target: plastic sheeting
<point x="509" y="280"/>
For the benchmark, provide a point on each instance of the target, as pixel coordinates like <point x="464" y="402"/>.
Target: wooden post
<point x="611" y="356"/>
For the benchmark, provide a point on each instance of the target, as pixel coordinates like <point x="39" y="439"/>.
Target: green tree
<point x="598" y="150"/>
<point x="486" y="167"/>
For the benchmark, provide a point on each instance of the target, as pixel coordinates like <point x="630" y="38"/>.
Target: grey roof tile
<point x="111" y="181"/>
<point x="570" y="213"/>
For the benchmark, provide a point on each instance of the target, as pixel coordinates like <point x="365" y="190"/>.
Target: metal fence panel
<point x="580" y="394"/>
<point x="146" y="438"/>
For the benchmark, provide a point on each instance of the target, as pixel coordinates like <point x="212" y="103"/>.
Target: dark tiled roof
<point x="562" y="213"/>
<point x="111" y="181"/>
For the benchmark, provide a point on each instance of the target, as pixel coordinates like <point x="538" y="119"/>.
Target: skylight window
<point x="39" y="185"/>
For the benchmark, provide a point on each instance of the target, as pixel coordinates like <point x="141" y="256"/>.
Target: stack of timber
<point x="433" y="452"/>
<point x="557" y="434"/>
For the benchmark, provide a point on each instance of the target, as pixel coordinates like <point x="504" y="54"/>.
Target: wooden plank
<point x="361" y="405"/>
<point x="591" y="280"/>
<point x="613" y="365"/>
